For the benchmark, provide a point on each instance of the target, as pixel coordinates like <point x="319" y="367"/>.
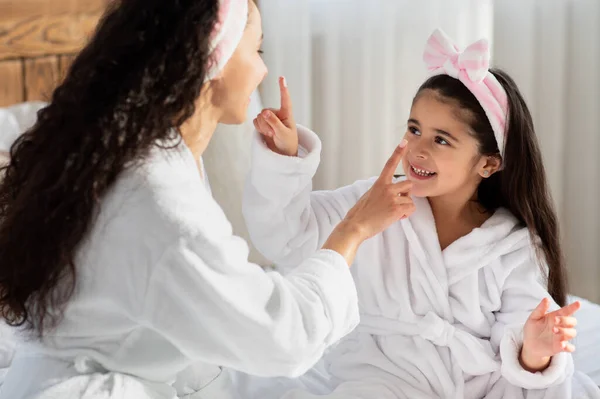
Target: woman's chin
<point x="235" y="118"/>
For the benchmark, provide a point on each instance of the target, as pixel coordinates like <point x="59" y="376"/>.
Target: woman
<point x="117" y="262"/>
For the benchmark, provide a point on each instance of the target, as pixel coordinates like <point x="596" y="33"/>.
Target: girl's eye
<point x="414" y="130"/>
<point x="441" y="141"/>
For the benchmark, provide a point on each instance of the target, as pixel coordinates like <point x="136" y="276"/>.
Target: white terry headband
<point x="226" y="35"/>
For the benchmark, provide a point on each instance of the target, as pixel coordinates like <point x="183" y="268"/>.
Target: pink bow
<point x="471" y="67"/>
<point x="441" y="52"/>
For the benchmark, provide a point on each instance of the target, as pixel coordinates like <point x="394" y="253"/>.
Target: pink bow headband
<point x="227" y="33"/>
<point x="471" y="67"/>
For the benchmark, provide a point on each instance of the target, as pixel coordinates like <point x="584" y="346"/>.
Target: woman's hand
<point x="278" y="126"/>
<point x="547" y="334"/>
<point x="385" y="202"/>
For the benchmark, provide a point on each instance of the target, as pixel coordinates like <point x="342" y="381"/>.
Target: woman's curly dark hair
<point x="136" y="80"/>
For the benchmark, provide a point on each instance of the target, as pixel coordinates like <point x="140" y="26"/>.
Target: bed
<point x="38" y="41"/>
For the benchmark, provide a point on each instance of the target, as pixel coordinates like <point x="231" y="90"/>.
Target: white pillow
<point x="14" y="120"/>
<point x="8" y="344"/>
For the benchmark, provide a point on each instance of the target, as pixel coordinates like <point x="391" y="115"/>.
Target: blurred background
<point x="353" y="67"/>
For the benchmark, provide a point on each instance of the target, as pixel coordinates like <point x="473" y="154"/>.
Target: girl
<point x="116" y="260"/>
<point x="452" y="299"/>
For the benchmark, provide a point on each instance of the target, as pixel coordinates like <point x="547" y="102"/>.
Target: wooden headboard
<point x="38" y="41"/>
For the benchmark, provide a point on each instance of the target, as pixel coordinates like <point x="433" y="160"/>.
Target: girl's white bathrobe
<point x="166" y="298"/>
<point x="434" y="324"/>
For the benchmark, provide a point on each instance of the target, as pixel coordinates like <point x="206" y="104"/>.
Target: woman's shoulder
<point x="151" y="209"/>
<point x="167" y="195"/>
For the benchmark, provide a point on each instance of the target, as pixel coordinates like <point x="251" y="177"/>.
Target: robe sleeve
<point x="217" y="308"/>
<point x="286" y="220"/>
<point x="522" y="291"/>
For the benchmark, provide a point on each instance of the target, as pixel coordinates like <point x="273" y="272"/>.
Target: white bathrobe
<point x="434" y="324"/>
<point x="166" y="298"/>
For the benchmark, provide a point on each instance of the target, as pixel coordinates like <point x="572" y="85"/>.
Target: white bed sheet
<point x="587" y="342"/>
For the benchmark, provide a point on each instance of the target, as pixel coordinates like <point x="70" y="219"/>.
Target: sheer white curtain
<point x="552" y="49"/>
<point x="353" y="67"/>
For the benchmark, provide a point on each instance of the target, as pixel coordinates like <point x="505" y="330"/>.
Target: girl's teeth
<point x="422" y="172"/>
